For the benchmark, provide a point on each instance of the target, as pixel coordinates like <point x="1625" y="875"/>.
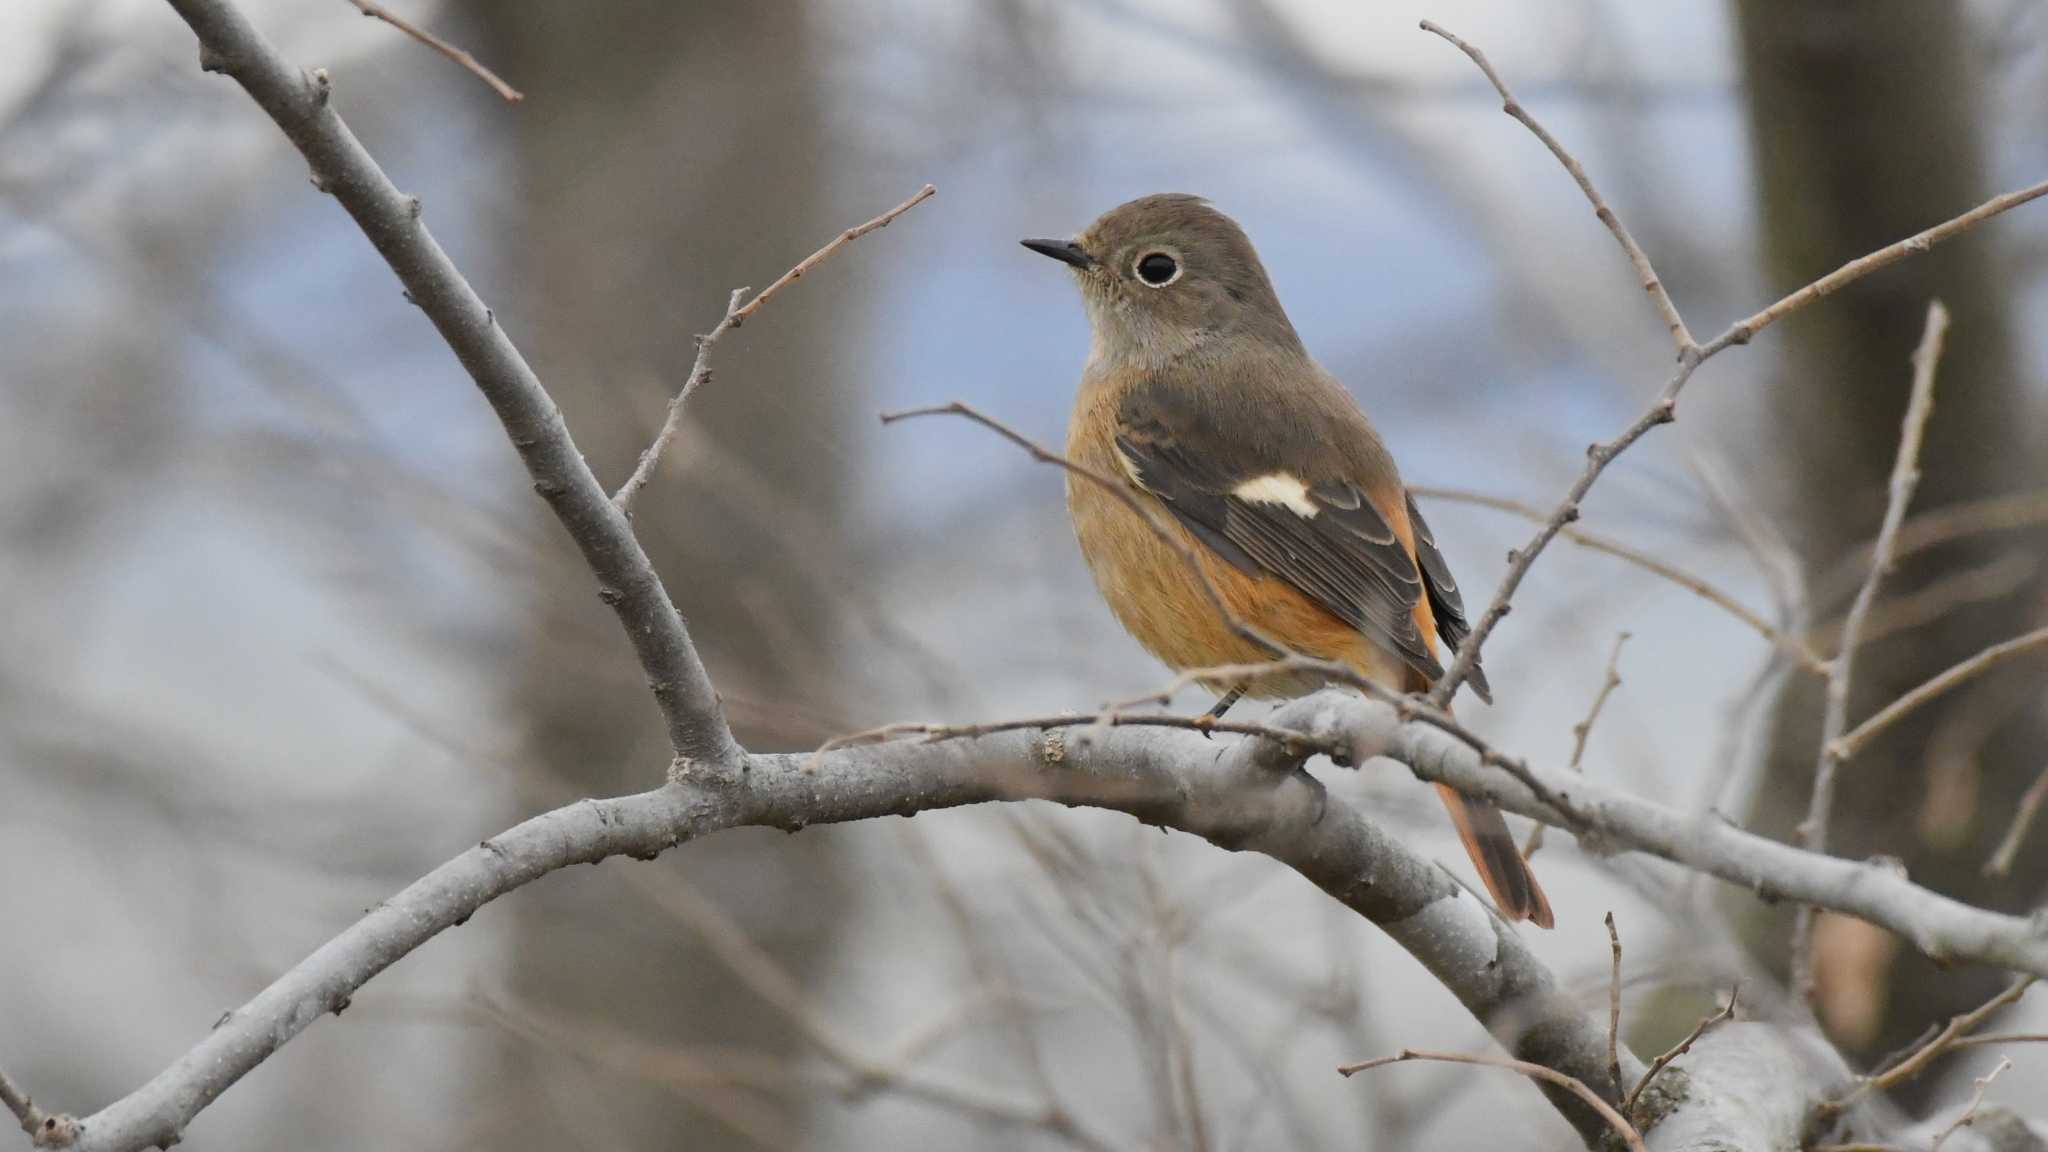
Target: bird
<point x="1264" y="469"/>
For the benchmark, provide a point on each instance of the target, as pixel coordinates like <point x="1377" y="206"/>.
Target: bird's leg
<point x="1221" y="706"/>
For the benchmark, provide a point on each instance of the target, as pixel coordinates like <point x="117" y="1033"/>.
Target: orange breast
<point x="1157" y="597"/>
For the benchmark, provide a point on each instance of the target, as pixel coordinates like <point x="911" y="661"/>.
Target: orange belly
<point x="1157" y="597"/>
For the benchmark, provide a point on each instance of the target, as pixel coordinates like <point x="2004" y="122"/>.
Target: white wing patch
<point x="1277" y="488"/>
<point x="1130" y="469"/>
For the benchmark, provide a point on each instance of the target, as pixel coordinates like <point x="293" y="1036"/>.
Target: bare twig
<point x="1947" y="681"/>
<point x="1744" y="330"/>
<point x="823" y="254"/>
<point x="1938" y="526"/>
<point x="1996" y="1039"/>
<point x="1813" y="831"/>
<point x="1969" y="1115"/>
<point x="1584" y="729"/>
<point x="1614" y="1012"/>
<point x="1785" y="641"/>
<point x="672" y="423"/>
<point x="1936" y="599"/>
<point x="1727" y="1012"/>
<point x="391" y="221"/>
<point x="1681" y="339"/>
<point x="736" y="314"/>
<point x="1916" y="1061"/>
<point x="1576" y="1087"/>
<point x="377" y="11"/>
<point x="2001" y="861"/>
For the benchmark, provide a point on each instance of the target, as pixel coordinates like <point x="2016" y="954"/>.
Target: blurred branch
<point x="1800" y="652"/>
<point x="1916" y="1061"/>
<point x="1950" y="679"/>
<point x="1813" y="831"/>
<point x="377" y="11"/>
<point x="44" y="1130"/>
<point x="1969" y="1115"/>
<point x="737" y="314"/>
<point x="2001" y="861"/>
<point x="1580" y="733"/>
<point x="1614" y="1012"/>
<point x="626" y="578"/>
<point x="1628" y="1103"/>
<point x="1690" y="354"/>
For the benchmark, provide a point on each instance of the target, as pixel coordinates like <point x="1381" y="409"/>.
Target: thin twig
<point x="1298" y="743"/>
<point x="1584" y="729"/>
<point x="1813" y="831"/>
<point x="1785" y="641"/>
<point x="1746" y="329"/>
<point x="825" y="253"/>
<point x="1614" y="1012"/>
<point x="672" y="423"/>
<point x="2001" y="861"/>
<point x="736" y="314"/>
<point x="1916" y="1061"/>
<point x="1994" y="1039"/>
<point x="1727" y="1012"/>
<point x="1969" y="1115"/>
<point x="1575" y="1086"/>
<point x="1681" y="338"/>
<point x="377" y="11"/>
<point x="1936" y="599"/>
<point x="1940" y="685"/>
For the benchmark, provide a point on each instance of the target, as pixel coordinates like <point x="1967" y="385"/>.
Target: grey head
<point x="1167" y="275"/>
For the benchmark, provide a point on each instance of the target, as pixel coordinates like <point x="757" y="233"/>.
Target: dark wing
<point x="1325" y="538"/>
<point x="1444" y="601"/>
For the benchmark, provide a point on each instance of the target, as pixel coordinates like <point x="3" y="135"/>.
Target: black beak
<point x="1065" y="251"/>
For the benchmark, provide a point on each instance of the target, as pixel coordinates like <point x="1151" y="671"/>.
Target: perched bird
<point x="1199" y="391"/>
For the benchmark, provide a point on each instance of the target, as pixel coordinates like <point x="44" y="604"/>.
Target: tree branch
<point x="1243" y="799"/>
<point x="377" y="11"/>
<point x="1577" y="1087"/>
<point x="1949" y="680"/>
<point x="1681" y="338"/>
<point x="298" y="102"/>
<point x="1813" y="831"/>
<point x="736" y="314"/>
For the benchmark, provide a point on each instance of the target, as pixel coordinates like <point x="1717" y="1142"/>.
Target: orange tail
<point x="1485" y="835"/>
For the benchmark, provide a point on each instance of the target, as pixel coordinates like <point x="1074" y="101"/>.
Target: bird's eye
<point x="1158" y="269"/>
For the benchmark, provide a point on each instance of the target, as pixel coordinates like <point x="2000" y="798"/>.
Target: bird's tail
<point x="1484" y="832"/>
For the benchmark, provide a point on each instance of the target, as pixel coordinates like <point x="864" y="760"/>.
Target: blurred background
<point x="282" y="627"/>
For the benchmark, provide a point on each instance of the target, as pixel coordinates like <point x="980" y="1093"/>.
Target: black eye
<point x="1157" y="269"/>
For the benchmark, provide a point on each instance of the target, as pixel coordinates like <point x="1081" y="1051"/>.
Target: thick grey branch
<point x="298" y="102"/>
<point x="1245" y="799"/>
<point x="1608" y="818"/>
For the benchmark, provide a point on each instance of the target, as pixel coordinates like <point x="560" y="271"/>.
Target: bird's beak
<point x="1065" y="251"/>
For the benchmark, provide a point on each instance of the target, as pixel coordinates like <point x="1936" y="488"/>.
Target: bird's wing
<point x="1269" y="516"/>
<point x="1444" y="601"/>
